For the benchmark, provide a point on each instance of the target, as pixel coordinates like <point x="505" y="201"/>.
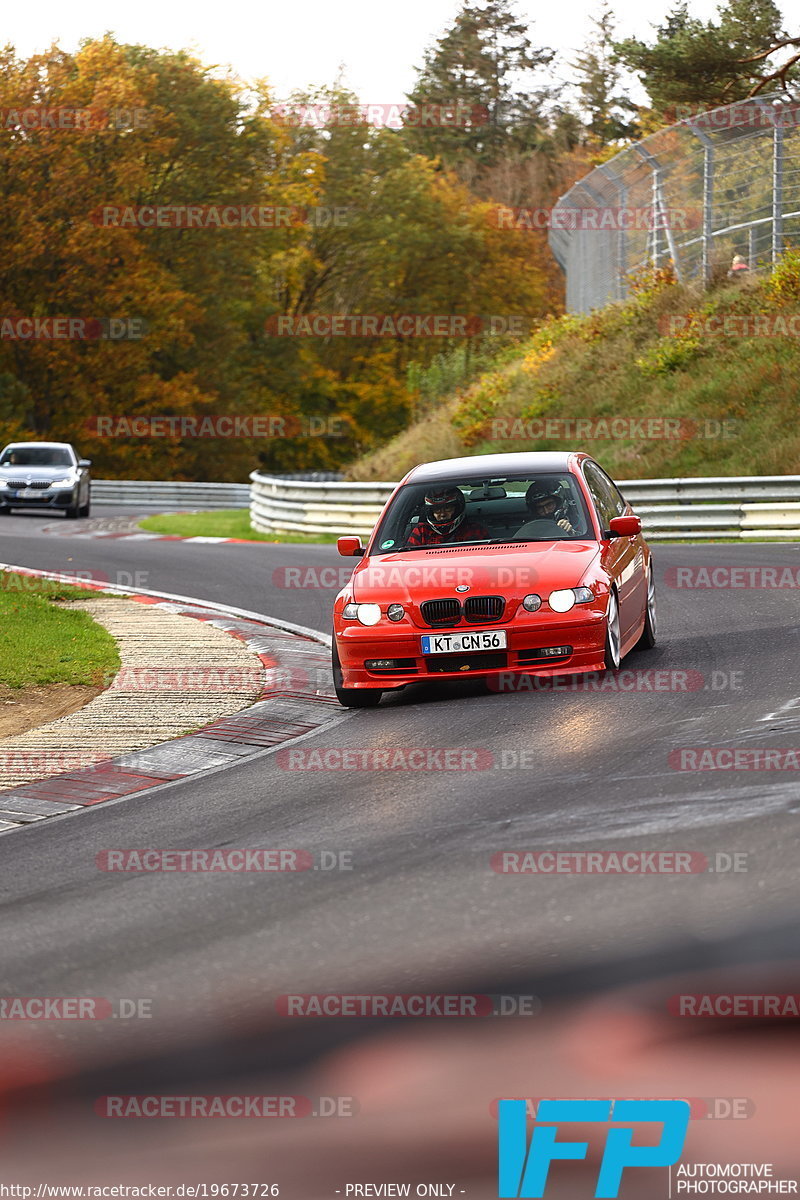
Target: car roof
<point x="490" y="465"/>
<point x="47" y="445"/>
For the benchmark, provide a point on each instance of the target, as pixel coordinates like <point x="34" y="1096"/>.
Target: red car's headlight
<point x="564" y="599"/>
<point x="365" y="614"/>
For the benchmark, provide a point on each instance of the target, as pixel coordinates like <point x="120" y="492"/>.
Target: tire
<point x="611" y="650"/>
<point x="351" y="697"/>
<point x="85" y="509"/>
<point x="650" y="631"/>
<point x="72" y="512"/>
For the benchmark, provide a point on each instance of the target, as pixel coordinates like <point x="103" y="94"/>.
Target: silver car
<point x="44" y="475"/>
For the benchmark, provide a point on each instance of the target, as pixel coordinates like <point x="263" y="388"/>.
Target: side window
<point x="606" y="495"/>
<point x="616" y="495"/>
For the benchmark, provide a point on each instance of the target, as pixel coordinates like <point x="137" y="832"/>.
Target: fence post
<point x="659" y="209"/>
<point x="708" y="199"/>
<point x="777" y="190"/>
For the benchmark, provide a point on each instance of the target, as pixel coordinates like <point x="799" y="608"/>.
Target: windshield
<point x="35" y="456"/>
<point x="529" y="508"/>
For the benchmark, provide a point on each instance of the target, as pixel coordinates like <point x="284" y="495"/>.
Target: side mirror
<point x="624" y="526"/>
<point x="350" y="547"/>
<point x="84" y="462"/>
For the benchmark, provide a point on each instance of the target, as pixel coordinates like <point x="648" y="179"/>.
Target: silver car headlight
<point x="63" y="482"/>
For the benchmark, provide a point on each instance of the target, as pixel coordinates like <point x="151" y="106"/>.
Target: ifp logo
<point x="523" y="1171"/>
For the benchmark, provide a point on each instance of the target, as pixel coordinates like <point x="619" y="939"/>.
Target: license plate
<point x="28" y="494"/>
<point x="449" y="643"/>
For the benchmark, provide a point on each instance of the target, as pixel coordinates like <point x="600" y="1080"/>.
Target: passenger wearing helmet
<point x="544" y="503"/>
<point x="445" y="521"/>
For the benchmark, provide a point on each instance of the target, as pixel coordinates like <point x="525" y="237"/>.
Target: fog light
<point x="395" y="612"/>
<point x="532" y="603"/>
<point x="555" y="651"/>
<point x="380" y="664"/>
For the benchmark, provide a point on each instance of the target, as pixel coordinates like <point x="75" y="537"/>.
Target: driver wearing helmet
<point x="544" y="504"/>
<point x="445" y="520"/>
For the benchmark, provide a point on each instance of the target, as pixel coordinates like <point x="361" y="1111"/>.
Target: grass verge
<point x="41" y="643"/>
<point x="225" y="522"/>
<point x="731" y="395"/>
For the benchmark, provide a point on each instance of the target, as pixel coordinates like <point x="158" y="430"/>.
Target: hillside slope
<point x="673" y="382"/>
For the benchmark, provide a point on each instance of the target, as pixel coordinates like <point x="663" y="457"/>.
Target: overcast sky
<point x="294" y="45"/>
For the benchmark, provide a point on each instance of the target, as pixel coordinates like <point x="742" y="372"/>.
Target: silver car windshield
<point x="36" y="456"/>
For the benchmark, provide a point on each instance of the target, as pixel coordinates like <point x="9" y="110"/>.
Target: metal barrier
<point x="170" y="496"/>
<point x="286" y="506"/>
<point x="716" y="184"/>
<point x="178" y="495"/>
<point x="755" y="508"/>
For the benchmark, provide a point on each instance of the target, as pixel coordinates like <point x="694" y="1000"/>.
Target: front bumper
<point x="583" y="631"/>
<point x="48" y="498"/>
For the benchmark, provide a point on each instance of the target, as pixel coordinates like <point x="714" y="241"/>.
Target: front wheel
<point x="612" y="646"/>
<point x="648" y="638"/>
<point x="86" y="508"/>
<point x="351" y="697"/>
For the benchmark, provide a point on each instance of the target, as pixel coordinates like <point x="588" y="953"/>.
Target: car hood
<point x="13" y="471"/>
<point x="511" y="570"/>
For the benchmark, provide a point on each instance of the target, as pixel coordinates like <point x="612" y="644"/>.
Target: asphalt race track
<point x="421" y="890"/>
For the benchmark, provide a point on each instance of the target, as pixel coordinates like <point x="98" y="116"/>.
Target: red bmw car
<point x="499" y="563"/>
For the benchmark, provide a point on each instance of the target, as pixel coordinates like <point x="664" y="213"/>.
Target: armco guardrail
<point x="286" y="505"/>
<point x="754" y="508"/>
<point x="178" y="495"/>
<point x="170" y="496"/>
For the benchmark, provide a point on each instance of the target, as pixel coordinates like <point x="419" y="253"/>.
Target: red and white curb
<point x="144" y="536"/>
<point x="297" y="702"/>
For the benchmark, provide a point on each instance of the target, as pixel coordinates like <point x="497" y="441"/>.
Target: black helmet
<point x="444" y="509"/>
<point x="539" y="493"/>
